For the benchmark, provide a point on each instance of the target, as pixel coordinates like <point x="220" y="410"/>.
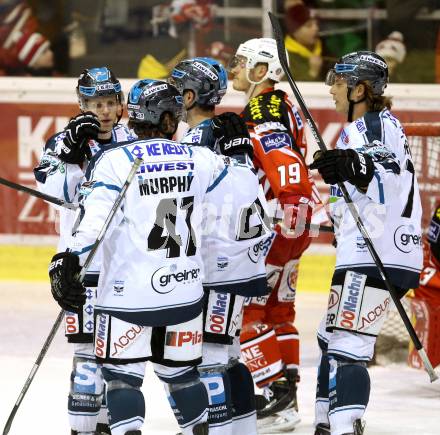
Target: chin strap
<point x="351" y="105"/>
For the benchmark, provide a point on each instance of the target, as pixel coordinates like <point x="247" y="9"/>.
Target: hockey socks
<point x="125" y="402"/>
<point x="349" y="392"/>
<point x="244" y="420"/>
<point x="220" y="406"/>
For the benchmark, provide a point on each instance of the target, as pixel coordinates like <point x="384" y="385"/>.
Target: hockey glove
<point x="66" y="289"/>
<point x="344" y="165"/>
<point x="79" y="131"/>
<point x="232" y="135"/>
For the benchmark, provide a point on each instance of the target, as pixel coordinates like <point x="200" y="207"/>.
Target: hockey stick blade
<point x="278" y="34"/>
<point x="81" y="276"/>
<point x="36" y="193"/>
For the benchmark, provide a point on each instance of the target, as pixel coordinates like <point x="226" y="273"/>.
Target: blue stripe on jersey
<point x="247" y="287"/>
<point x="217" y="180"/>
<point x="94" y="161"/>
<point x="129" y="155"/>
<point x="380" y="187"/>
<point x="83" y="250"/>
<point x="374" y="126"/>
<point x="107" y="186"/>
<point x="66" y="190"/>
<point x="156" y="316"/>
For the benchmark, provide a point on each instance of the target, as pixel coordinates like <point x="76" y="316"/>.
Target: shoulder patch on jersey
<point x="360" y="125"/>
<point x="265" y="107"/>
<point x="268" y="126"/>
<point x="344" y="137"/>
<point x="275" y="141"/>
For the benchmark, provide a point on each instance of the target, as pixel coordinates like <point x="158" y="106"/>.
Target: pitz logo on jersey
<point x="180" y="338"/>
<point x="166" y="279"/>
<point x="360" y="125"/>
<point x="275" y="141"/>
<point x="405" y="239"/>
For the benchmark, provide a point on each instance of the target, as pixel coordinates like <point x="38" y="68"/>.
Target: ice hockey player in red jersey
<point x="269" y="338"/>
<point x="426" y="302"/>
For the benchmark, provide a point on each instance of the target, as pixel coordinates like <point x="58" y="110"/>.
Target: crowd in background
<point x="59" y="38"/>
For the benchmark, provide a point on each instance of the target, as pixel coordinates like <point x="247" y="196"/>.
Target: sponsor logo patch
<point x="275" y="141"/>
<point x="166" y="279"/>
<point x="405" y="239"/>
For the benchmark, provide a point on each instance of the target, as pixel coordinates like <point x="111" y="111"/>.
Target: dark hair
<point x="375" y="103"/>
<point x="146" y="130"/>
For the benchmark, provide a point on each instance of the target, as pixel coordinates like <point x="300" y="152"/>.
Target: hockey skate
<point x="200" y="429"/>
<point x="280" y="413"/>
<point x="101" y="429"/>
<point x="324" y="429"/>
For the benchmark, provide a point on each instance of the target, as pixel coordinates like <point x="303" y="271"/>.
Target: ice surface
<point x="402" y="402"/>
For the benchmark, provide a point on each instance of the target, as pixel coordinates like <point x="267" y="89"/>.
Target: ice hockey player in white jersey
<point x="373" y="159"/>
<point x="150" y="296"/>
<point x="236" y="227"/>
<point x="59" y="173"/>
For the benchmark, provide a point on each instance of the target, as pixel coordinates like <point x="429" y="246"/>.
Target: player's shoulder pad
<point x="101" y="152"/>
<point x="200" y="135"/>
<point x="266" y="107"/>
<point x="122" y="133"/>
<point x="53" y="141"/>
<point x="371" y="126"/>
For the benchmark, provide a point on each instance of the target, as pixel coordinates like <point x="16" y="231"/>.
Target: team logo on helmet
<point x="206" y="77"/>
<point x="149" y="99"/>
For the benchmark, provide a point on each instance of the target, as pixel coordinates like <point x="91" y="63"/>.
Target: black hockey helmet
<point x="361" y="66"/>
<point x="205" y="76"/>
<point x="98" y="82"/>
<point x="149" y="99"/>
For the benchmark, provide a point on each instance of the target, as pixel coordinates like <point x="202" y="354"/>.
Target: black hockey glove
<point x="232" y="135"/>
<point x="66" y="289"/>
<point x="79" y="131"/>
<point x="344" y="165"/>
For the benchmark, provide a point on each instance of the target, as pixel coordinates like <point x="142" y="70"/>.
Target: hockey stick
<point x="412" y="333"/>
<point x="81" y="276"/>
<point x="33" y="192"/>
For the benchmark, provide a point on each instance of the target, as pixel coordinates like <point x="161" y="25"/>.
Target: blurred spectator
<point x="23" y="51"/>
<point x="302" y="43"/>
<point x="393" y="50"/>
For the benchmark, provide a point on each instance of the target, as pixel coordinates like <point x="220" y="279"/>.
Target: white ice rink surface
<point x="402" y="401"/>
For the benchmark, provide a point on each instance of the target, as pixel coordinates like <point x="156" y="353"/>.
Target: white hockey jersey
<point x="62" y="180"/>
<point x="235" y="225"/>
<point x="390" y="209"/>
<point x="152" y="263"/>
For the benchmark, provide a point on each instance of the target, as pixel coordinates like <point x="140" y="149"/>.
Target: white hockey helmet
<point x="262" y="50"/>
